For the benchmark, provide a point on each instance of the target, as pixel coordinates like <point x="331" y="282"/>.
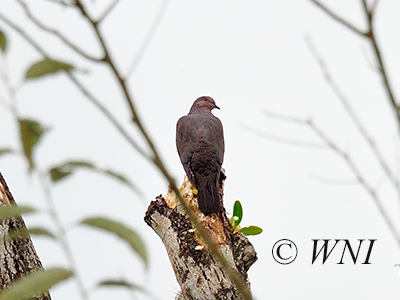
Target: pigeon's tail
<point x="208" y="199"/>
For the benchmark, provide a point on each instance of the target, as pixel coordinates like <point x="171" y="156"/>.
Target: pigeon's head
<point x="202" y="104"/>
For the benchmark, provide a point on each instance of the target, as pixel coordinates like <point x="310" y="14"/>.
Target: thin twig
<point x="370" y="34"/>
<point x="62" y="235"/>
<point x="107" y="11"/>
<point x="367" y="11"/>
<point x="12" y="103"/>
<point x="337" y="17"/>
<point x="373" y="6"/>
<point x="65" y="3"/>
<point x="335" y="181"/>
<point x="56" y="33"/>
<point x="148" y="39"/>
<point x="21" y="32"/>
<point x="360" y="178"/>
<point x="353" y="167"/>
<point x="353" y="116"/>
<point x="290" y="119"/>
<point x="381" y="65"/>
<point x="108" y="115"/>
<point x="284" y="140"/>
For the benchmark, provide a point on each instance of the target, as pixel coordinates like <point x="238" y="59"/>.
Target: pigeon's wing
<point x="218" y="140"/>
<point x="185" y="143"/>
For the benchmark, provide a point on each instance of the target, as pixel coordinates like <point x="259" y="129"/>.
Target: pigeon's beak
<point x="215" y="106"/>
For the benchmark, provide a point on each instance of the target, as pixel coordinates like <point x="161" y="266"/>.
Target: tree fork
<point x="199" y="275"/>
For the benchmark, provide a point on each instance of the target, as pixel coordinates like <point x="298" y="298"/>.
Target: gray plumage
<point x="200" y="144"/>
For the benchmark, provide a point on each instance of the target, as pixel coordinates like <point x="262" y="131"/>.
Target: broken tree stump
<point x="199" y="275"/>
<point x="17" y="254"/>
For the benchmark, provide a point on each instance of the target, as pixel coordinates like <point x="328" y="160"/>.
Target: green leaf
<point x="128" y="285"/>
<point x="46" y="67"/>
<point x="59" y="172"/>
<point x="34" y="283"/>
<point x="251" y="230"/>
<point x="237" y="212"/>
<point x="15" y="234"/>
<point x="10" y="211"/>
<point x="3" y="41"/>
<point x="30" y="133"/>
<point x="80" y="163"/>
<point x="41" y="231"/>
<point x="119" y="283"/>
<point x="123" y="232"/>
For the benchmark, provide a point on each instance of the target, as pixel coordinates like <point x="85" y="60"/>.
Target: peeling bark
<point x="17" y="255"/>
<point x="199" y="275"/>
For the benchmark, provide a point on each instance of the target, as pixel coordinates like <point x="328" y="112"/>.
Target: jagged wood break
<point x="198" y="273"/>
<point x="17" y="255"/>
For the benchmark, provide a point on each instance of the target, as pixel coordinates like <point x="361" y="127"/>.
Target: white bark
<point x="198" y="273"/>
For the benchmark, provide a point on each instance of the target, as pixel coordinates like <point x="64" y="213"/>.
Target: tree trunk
<point x="17" y="255"/>
<point x="199" y="275"/>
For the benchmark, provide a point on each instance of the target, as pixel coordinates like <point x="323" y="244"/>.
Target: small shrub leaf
<point x="27" y="232"/>
<point x="251" y="230"/>
<point x="119" y="283"/>
<point x="59" y="172"/>
<point x="34" y="284"/>
<point x="237" y="212"/>
<point x="30" y="133"/>
<point x="45" y="67"/>
<point x="10" y="211"/>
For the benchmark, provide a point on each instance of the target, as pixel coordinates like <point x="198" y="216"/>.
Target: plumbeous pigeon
<point x="200" y="144"/>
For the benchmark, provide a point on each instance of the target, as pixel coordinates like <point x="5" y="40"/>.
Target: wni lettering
<point x="323" y="246"/>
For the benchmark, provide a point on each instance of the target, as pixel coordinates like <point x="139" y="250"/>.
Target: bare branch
<point x="367" y="10"/>
<point x="62" y="232"/>
<point x="107" y="11"/>
<point x="64" y="3"/>
<point x="27" y="37"/>
<point x="56" y="33"/>
<point x="285" y="118"/>
<point x="108" y="115"/>
<point x="11" y="105"/>
<point x="381" y="66"/>
<point x="353" y="167"/>
<point x="369" y="13"/>
<point x="283" y="140"/>
<point x="373" y="6"/>
<point x="336" y="181"/>
<point x="148" y="39"/>
<point x="353" y="116"/>
<point x="360" y="178"/>
<point x="287" y="141"/>
<point x="338" y="18"/>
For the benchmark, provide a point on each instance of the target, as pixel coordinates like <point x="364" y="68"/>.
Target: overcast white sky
<point x="251" y="57"/>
